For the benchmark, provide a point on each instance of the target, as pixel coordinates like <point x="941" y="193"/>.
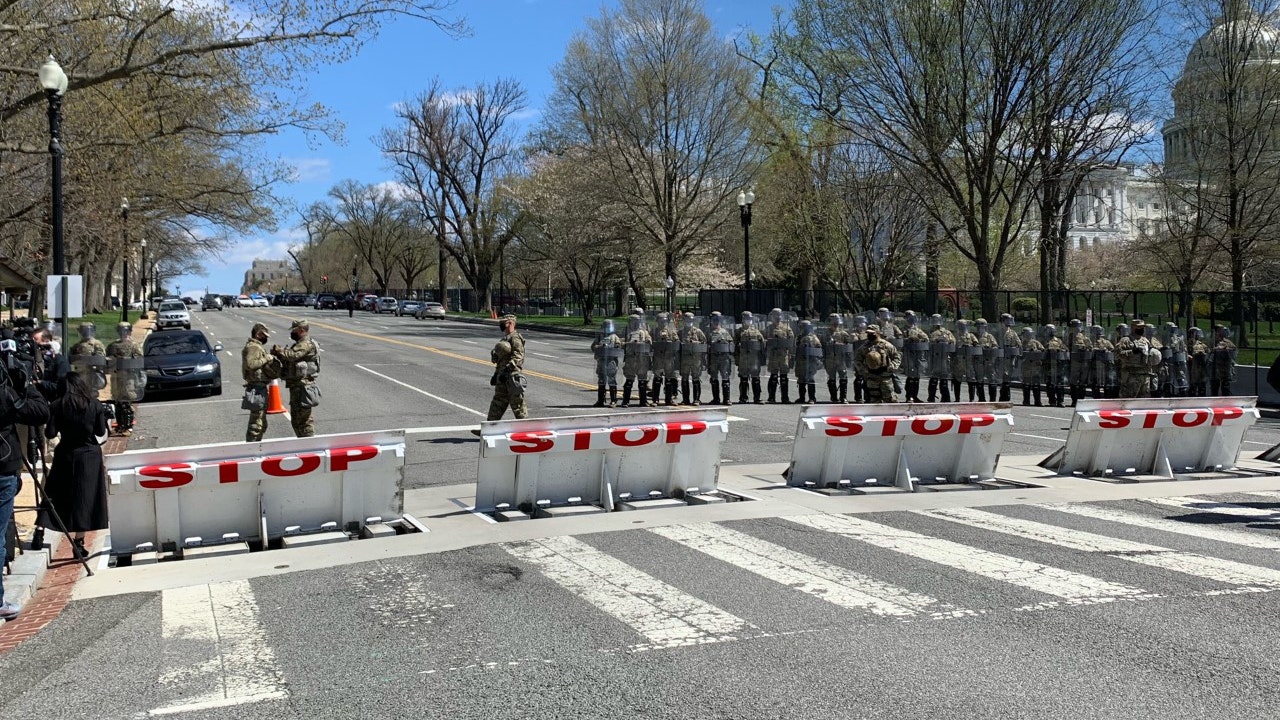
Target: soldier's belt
<point x="811" y="351"/>
<point x="667" y="346"/>
<point x="918" y="346"/>
<point x="993" y="352"/>
<point x="131" y="364"/>
<point x="1080" y="355"/>
<point x="779" y="343"/>
<point x="1012" y="351"/>
<point x="947" y="347"/>
<point x="750" y="345"/>
<point x="1059" y="355"/>
<point x="611" y="352"/>
<point x="693" y="348"/>
<point x="973" y="350"/>
<point x="721" y="347"/>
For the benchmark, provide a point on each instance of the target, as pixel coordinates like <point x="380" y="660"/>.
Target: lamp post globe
<point x="54" y="82"/>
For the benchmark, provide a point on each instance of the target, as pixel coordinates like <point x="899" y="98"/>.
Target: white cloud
<point x="311" y="169"/>
<point x="395" y="188"/>
<point x="272" y="247"/>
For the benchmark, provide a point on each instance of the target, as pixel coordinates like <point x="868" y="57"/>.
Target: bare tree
<point x="455" y="150"/>
<point x="370" y="218"/>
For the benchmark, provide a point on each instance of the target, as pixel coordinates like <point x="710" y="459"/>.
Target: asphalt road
<point x="1135" y="608"/>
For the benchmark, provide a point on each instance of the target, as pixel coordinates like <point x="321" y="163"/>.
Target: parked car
<point x="173" y="313"/>
<point x="260" y="301"/>
<point x="387" y="305"/>
<point x="409" y="308"/>
<point x="181" y="360"/>
<point x="326" y="301"/>
<point x="188" y="300"/>
<point x="211" y="302"/>
<point x="244" y="301"/>
<point x="430" y="310"/>
<point x="136" y="305"/>
<point x="368" y="302"/>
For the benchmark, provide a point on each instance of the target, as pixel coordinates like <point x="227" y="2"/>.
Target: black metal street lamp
<point x="54" y="82"/>
<point x="671" y="294"/>
<point x="146" y="301"/>
<point x="745" y="200"/>
<point x="128" y="255"/>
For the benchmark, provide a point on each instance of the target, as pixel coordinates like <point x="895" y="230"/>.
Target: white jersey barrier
<point x="272" y="487"/>
<point x="893" y="444"/>
<point x="596" y="459"/>
<point x="1159" y="437"/>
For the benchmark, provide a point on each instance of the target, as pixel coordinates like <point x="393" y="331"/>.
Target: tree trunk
<point x="932" y="254"/>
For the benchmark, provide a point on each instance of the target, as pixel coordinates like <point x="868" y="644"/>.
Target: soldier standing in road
<point x="1011" y="364"/>
<point x="985" y="364"/>
<point x="916" y="354"/>
<point x="128" y="376"/>
<point x="837" y="356"/>
<point x="891" y="334"/>
<point x="89" y="357"/>
<point x="1103" y="370"/>
<point x="693" y="359"/>
<point x="966" y="361"/>
<point x="1081" y="359"/>
<point x="1057" y="361"/>
<point x="808" y="360"/>
<point x="666" y="350"/>
<point x="858" y="338"/>
<point x="876" y="360"/>
<point x="299" y="365"/>
<point x="750" y="345"/>
<point x="1223" y="359"/>
<point x="88" y="345"/>
<point x="508" y="381"/>
<point x="607" y="349"/>
<point x="1198" y="364"/>
<point x="942" y="345"/>
<point x="720" y="359"/>
<point x="780" y="348"/>
<point x="637" y="357"/>
<point x="258" y="368"/>
<point x="1134" y="354"/>
<point x="1032" y="366"/>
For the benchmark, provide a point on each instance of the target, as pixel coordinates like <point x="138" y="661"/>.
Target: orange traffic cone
<point x="274" y="405"/>
<point x="493" y="314"/>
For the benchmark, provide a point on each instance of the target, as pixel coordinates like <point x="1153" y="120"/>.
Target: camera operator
<point x="21" y="404"/>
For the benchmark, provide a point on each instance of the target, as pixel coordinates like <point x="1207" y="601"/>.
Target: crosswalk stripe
<point x="219" y="625"/>
<point x="1217" y="569"/>
<point x="1195" y="505"/>
<point x="832" y="583"/>
<point x="1071" y="586"/>
<point x="665" y="616"/>
<point x="1207" y="532"/>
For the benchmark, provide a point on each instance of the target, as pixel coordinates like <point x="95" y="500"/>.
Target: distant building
<point x="1112" y="205"/>
<point x="270" y="275"/>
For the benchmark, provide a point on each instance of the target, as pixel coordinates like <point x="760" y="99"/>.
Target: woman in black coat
<point x="77" y="482"/>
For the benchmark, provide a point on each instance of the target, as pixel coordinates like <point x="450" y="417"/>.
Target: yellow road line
<point x="446" y="353"/>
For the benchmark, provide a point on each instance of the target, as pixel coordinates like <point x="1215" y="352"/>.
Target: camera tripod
<point x="43" y="503"/>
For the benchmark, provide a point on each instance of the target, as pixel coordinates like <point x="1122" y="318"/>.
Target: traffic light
<point x="324" y="278"/>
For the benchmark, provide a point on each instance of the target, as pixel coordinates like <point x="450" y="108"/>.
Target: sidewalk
<point x="32" y="575"/>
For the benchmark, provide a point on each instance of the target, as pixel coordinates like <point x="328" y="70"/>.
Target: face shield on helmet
<point x="717" y="320"/>
<point x="835" y="321"/>
<point x="606" y="327"/>
<point x="806" y="327"/>
<point x="911" y="318"/>
<point x="1122" y="330"/>
<point x="1095" y="332"/>
<point x="1050" y="330"/>
<point x="980" y="327"/>
<point x="748" y="320"/>
<point x="1006" y="319"/>
<point x="1026" y="333"/>
<point x="687" y="320"/>
<point x="775" y="316"/>
<point x="634" y="323"/>
<point x="663" y="320"/>
<point x="935" y="320"/>
<point x="1197" y="334"/>
<point x="860" y="323"/>
<point x="962" y="327"/>
<point x="884" y="314"/>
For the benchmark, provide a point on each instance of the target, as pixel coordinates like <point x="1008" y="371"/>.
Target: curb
<point x="532" y="326"/>
<point x="29" y="568"/>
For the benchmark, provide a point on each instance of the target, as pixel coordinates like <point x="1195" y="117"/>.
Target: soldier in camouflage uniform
<point x="89" y="357"/>
<point x="128" y="376"/>
<point x="666" y="351"/>
<point x="1223" y="361"/>
<point x="749" y="343"/>
<point x="1134" y="355"/>
<point x="965" y="364"/>
<point x="890" y="333"/>
<point x="780" y="348"/>
<point x="1102" y="371"/>
<point x="636" y="360"/>
<point x="299" y="364"/>
<point x="986" y="363"/>
<point x="1032" y="366"/>
<point x="942" y="346"/>
<point x="1175" y="350"/>
<point x="693" y="360"/>
<point x="876" y="360"/>
<point x="1198" y="364"/>
<point x="507" y="380"/>
<point x="837" y="356"/>
<point x="1011" y="347"/>
<point x="258" y="368"/>
<point x="1081" y="359"/>
<point x="858" y="337"/>
<point x="1057" y="361"/>
<point x="719" y="359"/>
<point x="916" y="356"/>
<point x="606" y="348"/>
<point x="808" y="360"/>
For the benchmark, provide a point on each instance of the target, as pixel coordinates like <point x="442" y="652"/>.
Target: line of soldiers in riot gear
<point x="975" y="362"/>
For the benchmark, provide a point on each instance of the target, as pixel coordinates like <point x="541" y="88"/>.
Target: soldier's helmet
<point x="1122" y="330"/>
<point x="911" y="317"/>
<point x="981" y="326"/>
<point x="1027" y="332"/>
<point x="716" y="319"/>
<point x="748" y="320"/>
<point x="1074" y="322"/>
<point x="1050" y="330"/>
<point x="87" y="329"/>
<point x="936" y="319"/>
<point x="860" y="322"/>
<point x="688" y="319"/>
<point x="1096" y="331"/>
<point x="1006" y="319"/>
<point x="664" y="319"/>
<point x="806" y="327"/>
<point x="775" y="315"/>
<point x="962" y="326"/>
<point x="874" y="359"/>
<point x="1197" y="333"/>
<point x="835" y="320"/>
<point x="1223" y="331"/>
<point x="635" y="322"/>
<point x="502" y="348"/>
<point x="124" y="326"/>
<point x="606" y="327"/>
<point x="883" y="313"/>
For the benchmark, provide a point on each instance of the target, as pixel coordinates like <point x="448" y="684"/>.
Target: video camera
<point x="19" y="353"/>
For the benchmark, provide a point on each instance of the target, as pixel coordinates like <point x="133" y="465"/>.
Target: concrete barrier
<point x="859" y="446"/>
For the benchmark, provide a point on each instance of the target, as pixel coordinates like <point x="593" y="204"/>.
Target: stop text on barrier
<point x="902" y="425"/>
<point x="541" y="441"/>
<point x="1180" y="418"/>
<point x="334" y="460"/>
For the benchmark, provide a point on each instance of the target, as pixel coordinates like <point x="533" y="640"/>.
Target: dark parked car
<point x="211" y="302"/>
<point x="327" y="301"/>
<point x="182" y="360"/>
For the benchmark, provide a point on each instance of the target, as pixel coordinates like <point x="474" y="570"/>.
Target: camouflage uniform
<point x="607" y="349"/>
<point x="858" y="338"/>
<point x="1223" y="361"/>
<point x="890" y="333"/>
<point x="666" y="352"/>
<point x="916" y="356"/>
<point x="89" y="358"/>
<point x="808" y="360"/>
<point x="1057" y="361"/>
<point x="780" y="348"/>
<point x="837" y="355"/>
<point x="750" y="346"/>
<point x="1103" y="368"/>
<point x="1198" y="364"/>
<point x="1011" y="364"/>
<point x="965" y="364"/>
<point x="719" y="359"/>
<point x="1032" y="366"/>
<point x="300" y="363"/>
<point x="508" y="360"/>
<point x="257" y="368"/>
<point x="636" y="360"/>
<point x="942" y="346"/>
<point x="128" y="378"/>
<point x="876" y="360"/>
<point x="1133" y="355"/>
<point x="693" y="360"/>
<point x="1081" y="360"/>
<point x="985" y="364"/>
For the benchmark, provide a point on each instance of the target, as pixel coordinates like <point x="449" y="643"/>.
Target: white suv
<point x="173" y="313"/>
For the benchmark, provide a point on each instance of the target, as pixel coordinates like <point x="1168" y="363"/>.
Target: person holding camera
<point x="24" y="406"/>
<point x="77" y="482"/>
<point x="258" y="367"/>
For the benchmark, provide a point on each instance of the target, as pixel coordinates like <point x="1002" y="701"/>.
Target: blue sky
<point x="520" y="39"/>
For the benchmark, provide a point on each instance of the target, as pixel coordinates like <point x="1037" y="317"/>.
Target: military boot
<point x="684" y="390"/>
<point x="1005" y="392"/>
<point x="1035" y="394"/>
<point x="945" y="391"/>
<point x="844" y="390"/>
<point x="599" y="395"/>
<point x="955" y="389"/>
<point x="742" y="391"/>
<point x="773" y="389"/>
<point x="813" y="392"/>
<point x="671" y="391"/>
<point x="724" y="390"/>
<point x="784" y="382"/>
<point x="973" y="391"/>
<point x="697" y="392"/>
<point x="933" y="389"/>
<point x="993" y="392"/>
<point x="715" y="391"/>
<point x="831" y="389"/>
<point x="626" y="392"/>
<point x="755" y="389"/>
<point x="644" y="394"/>
<point x="1026" y="395"/>
<point x="613" y="396"/>
<point x="982" y="392"/>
